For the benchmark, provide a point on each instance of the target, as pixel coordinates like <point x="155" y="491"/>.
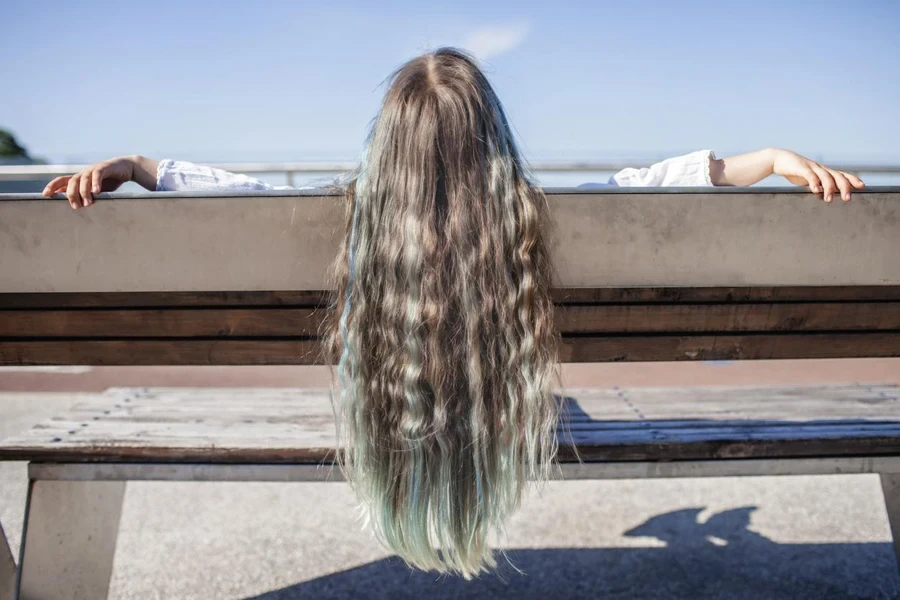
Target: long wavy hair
<point x="443" y="328"/>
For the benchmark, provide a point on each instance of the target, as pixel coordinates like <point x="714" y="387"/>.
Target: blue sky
<point x="299" y="80"/>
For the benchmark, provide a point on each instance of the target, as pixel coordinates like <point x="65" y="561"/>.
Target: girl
<point x="443" y="326"/>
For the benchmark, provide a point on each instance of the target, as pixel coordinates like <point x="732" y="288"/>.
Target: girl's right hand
<point x="105" y="176"/>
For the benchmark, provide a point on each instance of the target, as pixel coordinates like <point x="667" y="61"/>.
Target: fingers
<point x="854" y="180"/>
<point x="84" y="188"/>
<point x="73" y="191"/>
<point x="96" y="181"/>
<point x="56" y="186"/>
<point x="812" y="179"/>
<point x="79" y="188"/>
<point x="72" y="186"/>
<point x="828" y="184"/>
<point x="842" y="183"/>
<point x="830" y="181"/>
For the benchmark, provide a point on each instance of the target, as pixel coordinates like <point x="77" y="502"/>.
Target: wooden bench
<point x="81" y="459"/>
<point x="654" y="275"/>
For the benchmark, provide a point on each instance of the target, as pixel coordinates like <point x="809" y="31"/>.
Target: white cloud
<point x="488" y="42"/>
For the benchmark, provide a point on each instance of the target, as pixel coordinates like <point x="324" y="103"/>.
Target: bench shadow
<point x="716" y="557"/>
<point x="685" y="555"/>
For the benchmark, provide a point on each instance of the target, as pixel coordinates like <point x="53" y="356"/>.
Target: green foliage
<point x="9" y="147"/>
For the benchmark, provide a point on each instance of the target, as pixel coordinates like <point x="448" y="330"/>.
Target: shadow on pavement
<point x="717" y="558"/>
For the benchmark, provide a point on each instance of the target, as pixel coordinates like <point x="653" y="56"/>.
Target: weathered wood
<point x="297" y="299"/>
<point x="240" y="426"/>
<point x="274" y="242"/>
<point x="786" y="403"/>
<point x="697" y="318"/>
<point x="575" y="349"/>
<point x="281" y="322"/>
<point x="162" y="323"/>
<point x="138" y="471"/>
<point x="729" y="347"/>
<point x="161" y="352"/>
<point x="663" y="295"/>
<point x="319" y="298"/>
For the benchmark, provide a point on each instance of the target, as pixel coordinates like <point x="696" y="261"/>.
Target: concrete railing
<point x="613" y="238"/>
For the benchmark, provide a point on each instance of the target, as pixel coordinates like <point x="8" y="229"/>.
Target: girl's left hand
<point x="800" y="170"/>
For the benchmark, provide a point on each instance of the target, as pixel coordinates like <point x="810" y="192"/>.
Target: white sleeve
<point x="180" y="176"/>
<point x="690" y="170"/>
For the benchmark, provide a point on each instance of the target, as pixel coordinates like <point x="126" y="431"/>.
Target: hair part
<point x="443" y="324"/>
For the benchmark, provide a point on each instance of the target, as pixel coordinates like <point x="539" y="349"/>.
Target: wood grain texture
<point x="576" y="349"/>
<point x="308" y="322"/>
<point x="297" y="299"/>
<point x="275" y="426"/>
<point x="318" y="298"/>
<point x="728" y="347"/>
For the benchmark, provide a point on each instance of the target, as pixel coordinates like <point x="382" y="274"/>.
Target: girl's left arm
<point x="750" y="168"/>
<point x="702" y="168"/>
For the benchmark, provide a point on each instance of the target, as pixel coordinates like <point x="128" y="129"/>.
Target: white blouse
<point x="690" y="170"/>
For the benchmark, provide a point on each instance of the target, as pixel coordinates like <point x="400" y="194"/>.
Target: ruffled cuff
<point x="162" y="172"/>
<point x="695" y="169"/>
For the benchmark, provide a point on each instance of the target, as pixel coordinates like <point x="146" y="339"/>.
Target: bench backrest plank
<point x="596" y="325"/>
<point x="760" y="275"/>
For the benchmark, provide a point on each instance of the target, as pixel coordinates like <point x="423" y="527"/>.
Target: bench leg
<point x="7" y="568"/>
<point x="69" y="539"/>
<point x="890" y="483"/>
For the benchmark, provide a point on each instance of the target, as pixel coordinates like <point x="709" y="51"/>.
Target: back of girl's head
<point x="444" y="329"/>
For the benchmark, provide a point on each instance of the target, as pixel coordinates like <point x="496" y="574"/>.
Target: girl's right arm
<point x="155" y="176"/>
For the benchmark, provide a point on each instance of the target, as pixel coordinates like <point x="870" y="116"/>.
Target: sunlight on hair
<point x="443" y="328"/>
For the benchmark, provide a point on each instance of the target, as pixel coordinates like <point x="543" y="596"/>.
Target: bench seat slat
<point x="242" y="425"/>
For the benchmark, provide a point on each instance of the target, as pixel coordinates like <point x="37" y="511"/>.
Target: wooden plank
<point x="663" y="295"/>
<point x="715" y="402"/>
<point x="318" y="298"/>
<point x="728" y="347"/>
<point x="304" y="431"/>
<point x="299" y="299"/>
<point x="573" y="350"/>
<point x="272" y="242"/>
<point x="163" y="323"/>
<point x="677" y="318"/>
<point x="595" y="405"/>
<point x="223" y="453"/>
<point x="236" y="426"/>
<point x="160" y="352"/>
<point x="280" y="322"/>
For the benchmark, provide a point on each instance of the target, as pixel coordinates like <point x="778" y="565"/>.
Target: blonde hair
<point x="443" y="329"/>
